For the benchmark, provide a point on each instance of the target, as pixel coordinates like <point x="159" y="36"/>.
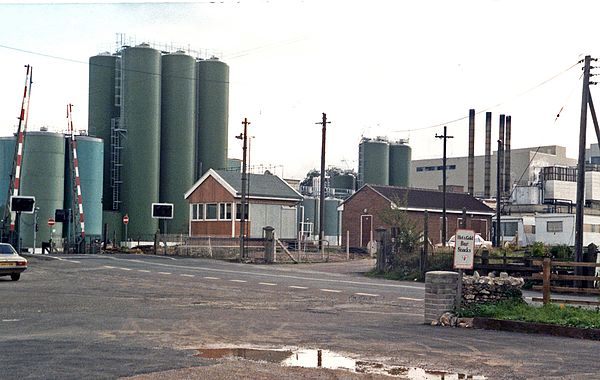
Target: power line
<point x="493" y="106"/>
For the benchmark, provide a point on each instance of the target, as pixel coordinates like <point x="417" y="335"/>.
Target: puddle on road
<point x="313" y="358"/>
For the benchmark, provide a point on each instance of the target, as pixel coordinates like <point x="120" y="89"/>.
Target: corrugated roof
<point x="432" y="199"/>
<point x="260" y="185"/>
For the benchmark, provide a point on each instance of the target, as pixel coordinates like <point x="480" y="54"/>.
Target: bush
<point x="538" y="249"/>
<point x="562" y="251"/>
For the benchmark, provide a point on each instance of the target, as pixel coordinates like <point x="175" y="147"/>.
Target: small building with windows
<point x="215" y="205"/>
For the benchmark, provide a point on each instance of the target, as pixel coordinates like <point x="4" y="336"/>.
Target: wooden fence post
<point x="546" y="265"/>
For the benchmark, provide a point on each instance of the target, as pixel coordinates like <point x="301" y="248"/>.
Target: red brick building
<point x="361" y="212"/>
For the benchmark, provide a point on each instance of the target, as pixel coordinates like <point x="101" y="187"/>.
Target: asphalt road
<point x="111" y="316"/>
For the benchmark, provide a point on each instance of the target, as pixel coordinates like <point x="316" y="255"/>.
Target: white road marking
<point x="109" y="267"/>
<point x="410" y="299"/>
<point x="367" y="294"/>
<point x="240" y="281"/>
<point x="124" y="268"/>
<point x="211" y="278"/>
<point x="330" y="290"/>
<point x="164" y="272"/>
<point x="187" y="275"/>
<point x="10" y="320"/>
<point x="267" y="283"/>
<point x="298" y="287"/>
<point x="276" y="275"/>
<point x="382" y="312"/>
<point x="67" y="260"/>
<point x="143" y="271"/>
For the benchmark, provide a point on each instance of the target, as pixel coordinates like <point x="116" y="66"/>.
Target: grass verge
<point x="518" y="310"/>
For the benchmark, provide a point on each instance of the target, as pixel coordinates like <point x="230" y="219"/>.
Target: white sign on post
<point x="464" y="249"/>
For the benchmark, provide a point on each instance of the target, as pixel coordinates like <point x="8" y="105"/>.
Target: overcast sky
<point x="377" y="68"/>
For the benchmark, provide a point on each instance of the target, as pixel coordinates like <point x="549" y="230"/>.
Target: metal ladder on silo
<point x="117" y="133"/>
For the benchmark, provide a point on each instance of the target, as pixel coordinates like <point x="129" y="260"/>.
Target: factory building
<point x="525" y="168"/>
<point x="163" y="116"/>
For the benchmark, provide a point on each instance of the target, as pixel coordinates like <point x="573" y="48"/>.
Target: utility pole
<point x="323" y="123"/>
<point x="244" y="137"/>
<point x="444" y="220"/>
<point x="585" y="96"/>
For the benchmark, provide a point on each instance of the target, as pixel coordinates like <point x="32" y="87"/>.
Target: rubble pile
<point x="490" y="289"/>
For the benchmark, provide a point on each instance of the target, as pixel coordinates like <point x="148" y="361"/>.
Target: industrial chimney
<point x="488" y="152"/>
<point x="507" y="155"/>
<point x="471" y="163"/>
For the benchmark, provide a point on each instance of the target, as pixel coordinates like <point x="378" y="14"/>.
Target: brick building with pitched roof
<point x="362" y="212"/>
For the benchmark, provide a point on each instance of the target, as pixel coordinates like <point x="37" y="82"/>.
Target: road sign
<point x="162" y="210"/>
<point x="51" y="222"/>
<point x="126" y="219"/>
<point x="464" y="249"/>
<point x="23" y="204"/>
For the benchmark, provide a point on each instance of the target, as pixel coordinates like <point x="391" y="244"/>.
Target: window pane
<point x="201" y="211"/>
<point x="211" y="211"/>
<point x="222" y="211"/>
<point x="554" y="226"/>
<point x="194" y="212"/>
<point x="228" y="211"/>
<point x="238" y="211"/>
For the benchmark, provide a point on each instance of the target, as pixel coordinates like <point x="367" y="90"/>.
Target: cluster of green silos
<point x="381" y="162"/>
<point x="46" y="175"/>
<point x="171" y="113"/>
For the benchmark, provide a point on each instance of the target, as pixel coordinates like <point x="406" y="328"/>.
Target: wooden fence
<point x="548" y="275"/>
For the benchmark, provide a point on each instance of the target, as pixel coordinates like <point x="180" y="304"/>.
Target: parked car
<point x="11" y="264"/>
<point x="479" y="242"/>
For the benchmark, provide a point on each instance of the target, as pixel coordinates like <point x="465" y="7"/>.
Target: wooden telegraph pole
<point x="323" y="123"/>
<point x="444" y="223"/>
<point x="244" y="138"/>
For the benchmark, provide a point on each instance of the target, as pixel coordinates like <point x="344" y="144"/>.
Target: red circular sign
<point x="51" y="222"/>
<point x="125" y="219"/>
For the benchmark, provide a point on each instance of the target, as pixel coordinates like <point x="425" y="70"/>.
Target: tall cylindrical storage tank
<point x="374" y="162"/>
<point x="213" y="115"/>
<point x="101" y="110"/>
<point x="400" y="156"/>
<point x="178" y="105"/>
<point x="7" y="152"/>
<point x="332" y="226"/>
<point x="90" y="151"/>
<point x="43" y="176"/>
<point x="311" y="214"/>
<point x="140" y="115"/>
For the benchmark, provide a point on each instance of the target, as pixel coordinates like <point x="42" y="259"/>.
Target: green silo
<point x="213" y="115"/>
<point x="311" y="214"/>
<point x="7" y="153"/>
<point x="178" y="105"/>
<point x="332" y="220"/>
<point x="140" y="116"/>
<point x="101" y="111"/>
<point x="90" y="151"/>
<point x="43" y="176"/>
<point x="400" y="156"/>
<point x="373" y="162"/>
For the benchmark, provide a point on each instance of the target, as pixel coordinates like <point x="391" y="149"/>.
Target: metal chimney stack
<point x="500" y="157"/>
<point x="507" y="155"/>
<point x="471" y="169"/>
<point x="488" y="155"/>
